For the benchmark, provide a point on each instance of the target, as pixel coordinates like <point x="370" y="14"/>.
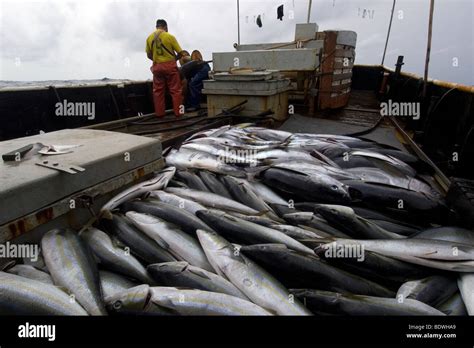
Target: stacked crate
<point x="335" y="72"/>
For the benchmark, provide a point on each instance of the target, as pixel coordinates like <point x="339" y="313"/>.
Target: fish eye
<point x="334" y="187"/>
<point x="117" y="305"/>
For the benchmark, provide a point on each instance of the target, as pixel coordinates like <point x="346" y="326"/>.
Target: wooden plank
<point x="339" y="77"/>
<point x="339" y="101"/>
<point x="336" y="88"/>
<point x="327" y="67"/>
<point x="344" y="53"/>
<point x="349" y="64"/>
<point x="341" y="87"/>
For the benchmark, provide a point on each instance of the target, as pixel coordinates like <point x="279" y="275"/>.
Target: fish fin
<point x="271" y="311"/>
<point x="267" y="161"/>
<point x="231" y="217"/>
<point x="63" y="289"/>
<point x="8" y="265"/>
<point x="161" y="243"/>
<point x="165" y="151"/>
<point x="252" y="172"/>
<point x="116" y="242"/>
<point x="200" y="272"/>
<point x="106" y="214"/>
<point x="162" y="302"/>
<point x="318" y="155"/>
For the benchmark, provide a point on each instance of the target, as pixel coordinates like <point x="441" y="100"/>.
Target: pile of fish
<point x="253" y="221"/>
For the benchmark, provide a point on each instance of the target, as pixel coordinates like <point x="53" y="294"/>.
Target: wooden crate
<point x="335" y="73"/>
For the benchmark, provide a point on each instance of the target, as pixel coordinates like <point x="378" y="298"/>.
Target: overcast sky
<point x="92" y="39"/>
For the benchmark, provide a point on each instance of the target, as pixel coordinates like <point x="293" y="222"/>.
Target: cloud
<point x="90" y="39"/>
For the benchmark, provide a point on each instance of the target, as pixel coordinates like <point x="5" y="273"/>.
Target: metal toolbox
<point x="34" y="198"/>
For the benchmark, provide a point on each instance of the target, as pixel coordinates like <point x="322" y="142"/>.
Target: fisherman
<point x="193" y="72"/>
<point x="163" y="49"/>
<point x="185" y="58"/>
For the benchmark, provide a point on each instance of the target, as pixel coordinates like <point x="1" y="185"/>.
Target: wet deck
<point x="360" y="114"/>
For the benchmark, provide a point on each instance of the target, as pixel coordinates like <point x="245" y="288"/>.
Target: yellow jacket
<point x="154" y="47"/>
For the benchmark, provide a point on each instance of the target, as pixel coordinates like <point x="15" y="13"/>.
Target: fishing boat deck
<point x="361" y="113"/>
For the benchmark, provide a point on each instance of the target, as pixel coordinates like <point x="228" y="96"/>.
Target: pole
<point x="428" y="48"/>
<point x="309" y="10"/>
<point x="238" y="22"/>
<point x="388" y="33"/>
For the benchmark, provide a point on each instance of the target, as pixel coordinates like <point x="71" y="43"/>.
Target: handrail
<point x="441" y="83"/>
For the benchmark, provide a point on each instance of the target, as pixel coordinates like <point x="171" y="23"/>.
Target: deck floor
<point x="353" y="118"/>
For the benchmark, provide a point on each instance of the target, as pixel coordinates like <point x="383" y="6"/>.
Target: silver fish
<point x="378" y="175"/>
<point x="182" y="274"/>
<point x="430" y="253"/>
<point x="23" y="296"/>
<point x="385" y="162"/>
<point x="466" y="287"/>
<point x="345" y="219"/>
<point x="179" y="243"/>
<point x="158" y="182"/>
<point x="267" y="194"/>
<point x="447" y="233"/>
<point x="224" y="154"/>
<point x="269" y="134"/>
<point x="212" y="200"/>
<point x="244" y="193"/>
<point x="192" y="159"/>
<point x="259" y="286"/>
<point x="31" y="272"/>
<point x="173" y="301"/>
<point x="300" y="233"/>
<point x="113" y="283"/>
<point x="113" y="257"/>
<point x="177" y="201"/>
<point x="453" y="306"/>
<point x="313" y="168"/>
<point x="432" y="290"/>
<point x="326" y="302"/>
<point x="72" y="267"/>
<point x="240" y="230"/>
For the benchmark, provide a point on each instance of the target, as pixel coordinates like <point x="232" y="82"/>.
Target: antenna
<point x="388" y="33"/>
<point x="428" y="48"/>
<point x="238" y="22"/>
<point x="309" y="10"/>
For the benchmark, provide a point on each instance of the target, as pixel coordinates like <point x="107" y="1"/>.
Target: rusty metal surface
<point x="82" y="200"/>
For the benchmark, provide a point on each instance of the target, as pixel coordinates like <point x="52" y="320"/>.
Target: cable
<point x="368" y="130"/>
<point x="441" y="99"/>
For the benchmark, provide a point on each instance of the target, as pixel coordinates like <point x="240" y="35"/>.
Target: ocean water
<point x="59" y="83"/>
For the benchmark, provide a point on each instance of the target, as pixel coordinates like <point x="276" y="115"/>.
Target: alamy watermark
<point x="28" y="330"/>
<point x="344" y="251"/>
<point x="405" y="109"/>
<point x="84" y="109"/>
<point x="238" y="156"/>
<point x="24" y="251"/>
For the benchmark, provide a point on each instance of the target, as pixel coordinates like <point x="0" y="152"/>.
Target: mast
<point x="309" y="10"/>
<point x="238" y="22"/>
<point x="428" y="48"/>
<point x="388" y="33"/>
